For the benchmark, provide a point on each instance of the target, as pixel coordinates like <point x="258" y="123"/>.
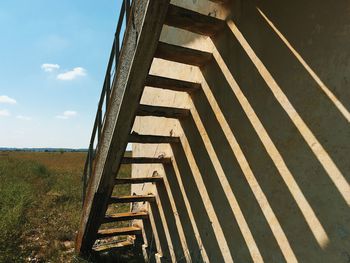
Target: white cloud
<point x="73" y="74"/>
<point x="49" y="67"/>
<point x="67" y="115"/>
<point x="4" y="113"/>
<point x="7" y="99"/>
<point x="25" y="118"/>
<point x="70" y="113"/>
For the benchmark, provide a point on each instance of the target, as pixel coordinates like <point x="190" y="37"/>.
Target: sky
<point x="53" y="58"/>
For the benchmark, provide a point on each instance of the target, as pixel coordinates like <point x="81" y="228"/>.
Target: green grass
<point x="39" y="211"/>
<point x="17" y="195"/>
<point x="40" y="205"/>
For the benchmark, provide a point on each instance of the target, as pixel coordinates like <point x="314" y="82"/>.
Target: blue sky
<point x="53" y="58"/>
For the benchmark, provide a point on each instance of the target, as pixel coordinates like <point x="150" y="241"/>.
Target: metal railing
<point x="105" y="95"/>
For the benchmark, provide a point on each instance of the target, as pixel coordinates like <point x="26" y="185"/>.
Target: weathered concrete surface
<point x="262" y="171"/>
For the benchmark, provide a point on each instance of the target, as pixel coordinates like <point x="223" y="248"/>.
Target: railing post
<point x="84" y="185"/>
<point x="101" y="167"/>
<point x="91" y="152"/>
<point x="99" y="124"/>
<point x="127" y="10"/>
<point x="116" y="50"/>
<point x="87" y="169"/>
<point x="108" y="88"/>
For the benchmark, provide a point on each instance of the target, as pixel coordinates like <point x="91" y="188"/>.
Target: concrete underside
<point x="263" y="167"/>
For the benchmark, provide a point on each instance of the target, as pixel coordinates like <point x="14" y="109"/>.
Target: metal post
<point x="91" y="152"/>
<point x="127" y="10"/>
<point x="84" y="187"/>
<point x="108" y="89"/>
<point x="116" y="50"/>
<point x="99" y="124"/>
<point x="124" y="12"/>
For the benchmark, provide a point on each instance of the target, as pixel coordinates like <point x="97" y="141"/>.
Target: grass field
<point x="40" y="205"/>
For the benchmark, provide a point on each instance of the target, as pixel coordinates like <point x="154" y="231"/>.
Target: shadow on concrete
<point x="198" y="208"/>
<point x="247" y="201"/>
<point x="223" y="211"/>
<point x="320" y="40"/>
<point x="321" y="116"/>
<point x="193" y="248"/>
<point x="160" y="230"/>
<point x="171" y="222"/>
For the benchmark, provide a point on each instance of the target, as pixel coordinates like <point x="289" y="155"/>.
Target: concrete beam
<point x="134" y="63"/>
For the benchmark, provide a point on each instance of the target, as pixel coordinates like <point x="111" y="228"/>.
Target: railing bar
<point x="108" y="89"/>
<point x="90" y="156"/>
<point x="86" y="165"/>
<point x="94" y="131"/>
<point x="84" y="181"/>
<point x="99" y="127"/>
<point x="127" y="8"/>
<point x="111" y="58"/>
<point x="100" y="103"/>
<point x="116" y="51"/>
<point x="120" y="20"/>
<point x="90" y="161"/>
<point x="105" y="94"/>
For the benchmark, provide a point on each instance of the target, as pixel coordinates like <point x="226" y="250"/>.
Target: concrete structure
<point x="261" y="171"/>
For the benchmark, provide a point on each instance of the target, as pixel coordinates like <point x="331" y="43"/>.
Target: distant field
<point x="40" y="205"/>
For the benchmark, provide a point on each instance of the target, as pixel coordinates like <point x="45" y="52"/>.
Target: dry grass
<point x="58" y="162"/>
<point x="40" y="205"/>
